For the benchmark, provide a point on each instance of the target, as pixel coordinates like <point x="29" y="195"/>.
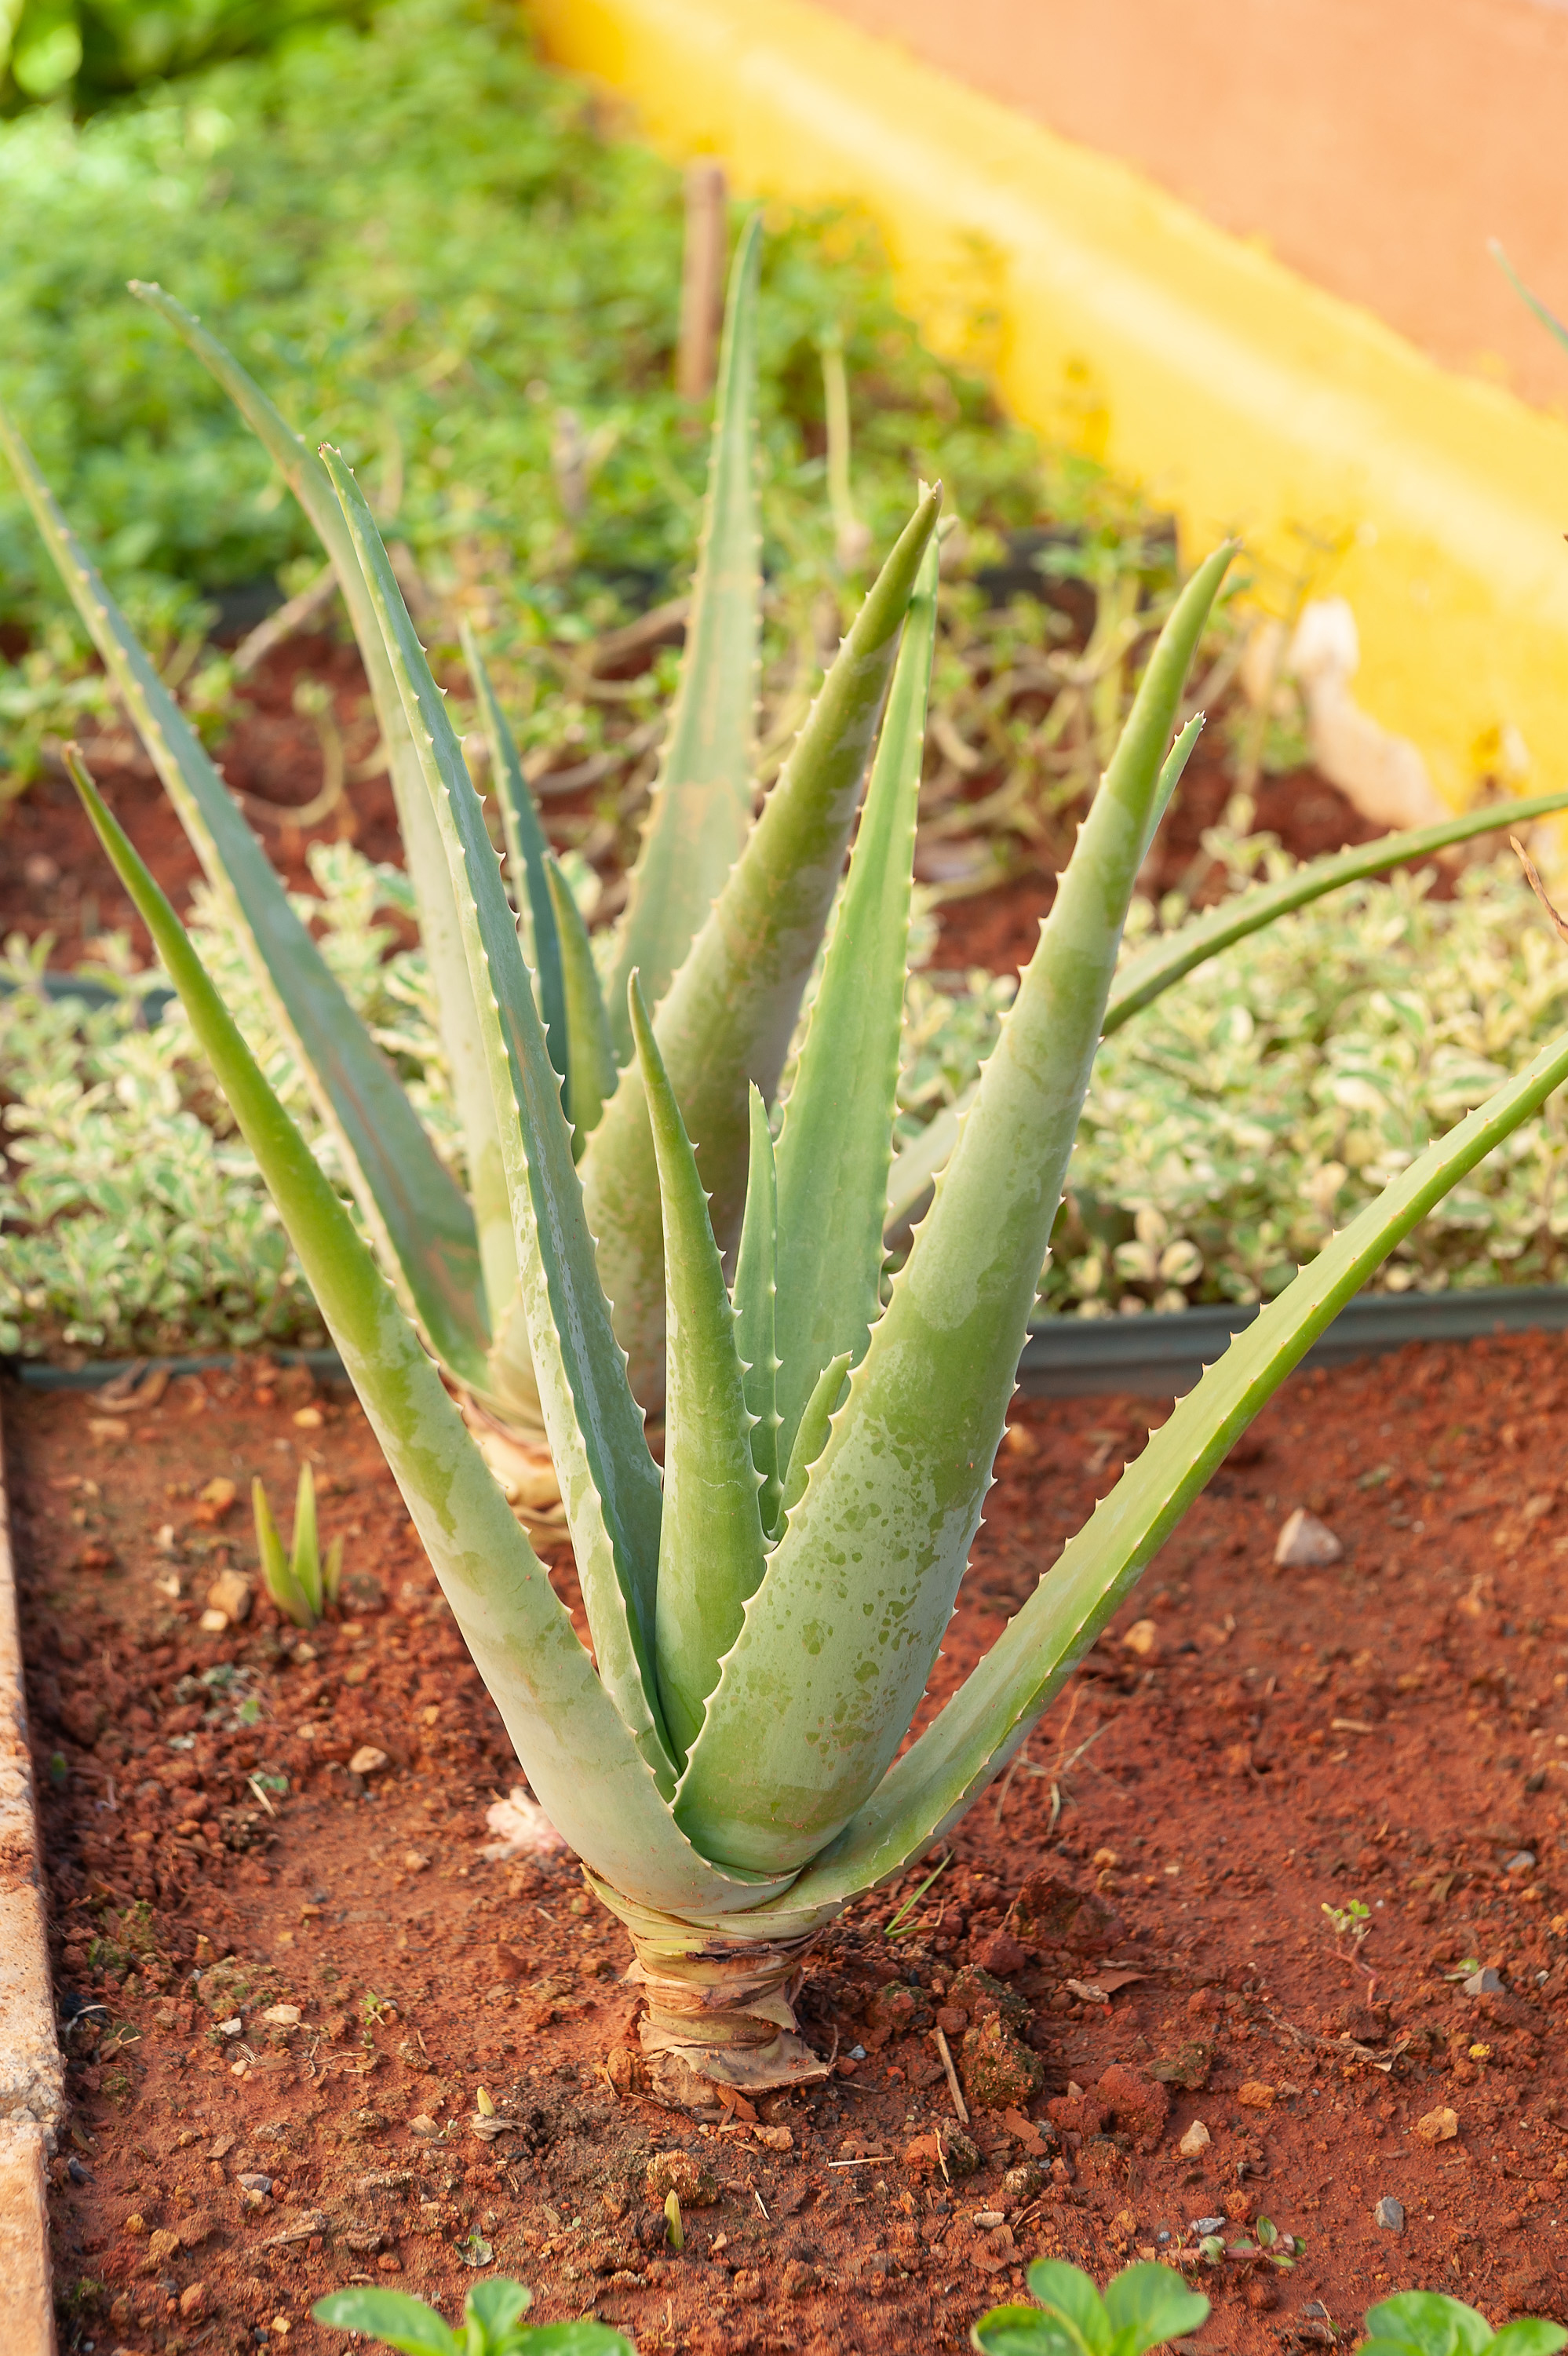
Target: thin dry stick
<point x="957" y="2102"/>
<point x="701" y="278"/>
<point x="1532" y="878"/>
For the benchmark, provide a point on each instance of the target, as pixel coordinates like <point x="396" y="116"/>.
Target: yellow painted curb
<point x="1241" y="396"/>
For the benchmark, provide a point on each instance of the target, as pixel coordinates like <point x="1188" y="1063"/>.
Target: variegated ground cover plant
<point x="764" y="1606"/>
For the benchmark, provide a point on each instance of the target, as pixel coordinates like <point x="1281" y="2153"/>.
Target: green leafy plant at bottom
<point x="491" y="2324"/>
<point x="1429" y="2323"/>
<point x="1144" y="2307"/>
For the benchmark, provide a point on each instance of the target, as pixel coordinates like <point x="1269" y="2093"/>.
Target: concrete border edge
<point x="32" y="2075"/>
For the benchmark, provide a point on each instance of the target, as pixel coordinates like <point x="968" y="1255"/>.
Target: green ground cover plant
<point x="1147" y="2307"/>
<point x="91" y="51"/>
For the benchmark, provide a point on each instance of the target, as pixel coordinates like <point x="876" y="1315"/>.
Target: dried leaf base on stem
<point x="720" y="2004"/>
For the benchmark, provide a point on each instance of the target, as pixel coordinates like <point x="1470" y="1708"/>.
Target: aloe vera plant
<point x="723" y="926"/>
<point x="765" y="1610"/>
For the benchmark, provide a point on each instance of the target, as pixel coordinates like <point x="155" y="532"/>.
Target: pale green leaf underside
<point x="528" y="855"/>
<point x="834" y="1142"/>
<point x="609" y="1484"/>
<point x="709" y="1542"/>
<point x="839" y="1639"/>
<point x="590" y="1057"/>
<point x="554" y="1707"/>
<point x="755" y="1308"/>
<point x="700" y="808"/>
<point x="417" y="1214"/>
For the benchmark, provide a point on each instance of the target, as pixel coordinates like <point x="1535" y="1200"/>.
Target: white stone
<point x="1305" y="1544"/>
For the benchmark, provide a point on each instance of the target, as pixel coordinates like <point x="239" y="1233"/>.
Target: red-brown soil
<point x="1392" y="1730"/>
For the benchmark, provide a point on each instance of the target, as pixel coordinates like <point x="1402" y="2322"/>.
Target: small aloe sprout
<point x="1429" y="2323"/>
<point x="300" y="1583"/>
<point x="492" y="2324"/>
<point x="1145" y="2306"/>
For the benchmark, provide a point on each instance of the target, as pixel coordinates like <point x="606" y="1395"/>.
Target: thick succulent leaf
<point x="527" y="858"/>
<point x="609" y="1484"/>
<point x="1174" y="955"/>
<point x="990" y="1715"/>
<point x="306" y="477"/>
<point x="755" y="1296"/>
<point x="700" y="807"/>
<point x="304" y="1559"/>
<point x="731" y="1008"/>
<point x="835" y="1142"/>
<point x="831" y="1662"/>
<point x="590" y="1057"/>
<point x="812" y="1431"/>
<point x="584" y="1768"/>
<point x="709" y="1542"/>
<point x="422" y="1227"/>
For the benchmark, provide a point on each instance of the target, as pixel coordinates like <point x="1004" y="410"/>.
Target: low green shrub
<point x="420" y="239"/>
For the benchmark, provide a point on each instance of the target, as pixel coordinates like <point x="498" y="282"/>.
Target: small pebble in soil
<point x="1196" y="2139"/>
<point x="1304" y="1543"/>
<point x="1389" y="2214"/>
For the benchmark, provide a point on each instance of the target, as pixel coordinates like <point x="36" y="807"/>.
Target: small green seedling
<point x="673" y="2228"/>
<point x="1350" y="1923"/>
<point x="1279" y="2250"/>
<point x="1144" y="2307"/>
<point x="902" y="1921"/>
<point x="302" y="1585"/>
<point x="1427" y="2323"/>
<point x="491" y="2325"/>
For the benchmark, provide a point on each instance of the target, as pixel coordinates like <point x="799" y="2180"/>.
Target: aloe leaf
<point x="700" y="807"/>
<point x="834" y="1143"/>
<point x="590" y="1057"/>
<point x="306" y="477"/>
<point x="812" y="1431"/>
<point x="710" y="1543"/>
<point x="1547" y="316"/>
<point x="755" y="1311"/>
<point x="1166" y="960"/>
<point x="422" y="1227"/>
<point x="554" y="1707"/>
<point x="731" y="1008"/>
<point x="1170" y="959"/>
<point x="306" y="1558"/>
<point x="992" y="1713"/>
<point x="527" y="858"/>
<point x="609" y="1484"/>
<point x="332" y="1571"/>
<point x="277" y="1575"/>
<point x="830" y="1667"/>
<point x="1175" y="761"/>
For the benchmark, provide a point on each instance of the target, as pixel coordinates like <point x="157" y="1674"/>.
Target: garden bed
<point x="1390" y="1730"/>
